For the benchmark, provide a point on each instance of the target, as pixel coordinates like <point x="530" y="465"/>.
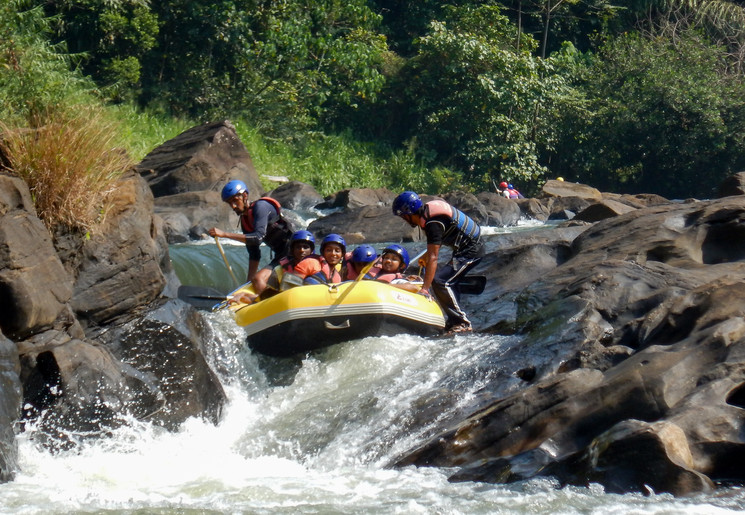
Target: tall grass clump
<point x="70" y="161"/>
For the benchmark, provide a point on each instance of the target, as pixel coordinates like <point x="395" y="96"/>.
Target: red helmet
<point x="503" y="185"/>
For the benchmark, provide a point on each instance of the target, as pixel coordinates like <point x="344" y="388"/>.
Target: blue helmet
<point x="303" y="236"/>
<point x="233" y="188"/>
<point x="364" y="254"/>
<point x="334" y="238"/>
<point x="407" y="203"/>
<point x="510" y="186"/>
<point x="400" y="251"/>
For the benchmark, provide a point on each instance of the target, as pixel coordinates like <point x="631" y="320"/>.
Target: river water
<point x="306" y="436"/>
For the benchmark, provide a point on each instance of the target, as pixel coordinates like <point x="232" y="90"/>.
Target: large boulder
<point x="554" y="188"/>
<point x="631" y="359"/>
<point x="167" y="345"/>
<point x="119" y="266"/>
<point x="187" y="174"/>
<point x="188" y="216"/>
<point x="732" y="185"/>
<point x="75" y="388"/>
<point x="357" y="197"/>
<point x="366" y="224"/>
<point x="500" y="211"/>
<point x="469" y="204"/>
<point x="34" y="286"/>
<point x="204" y="157"/>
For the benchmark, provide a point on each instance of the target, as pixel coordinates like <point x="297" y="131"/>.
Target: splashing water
<point x="312" y="435"/>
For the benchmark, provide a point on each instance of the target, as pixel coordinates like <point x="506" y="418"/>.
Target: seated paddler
<point x="394" y="260"/>
<point x="361" y="258"/>
<point x="333" y="250"/>
<point x="292" y="269"/>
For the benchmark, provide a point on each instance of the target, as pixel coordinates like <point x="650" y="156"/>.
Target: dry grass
<point x="70" y="162"/>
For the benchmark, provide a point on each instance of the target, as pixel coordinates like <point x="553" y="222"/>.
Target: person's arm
<point x="433" y="253"/>
<point x="262" y="211"/>
<point x="214" y="231"/>
<point x="435" y="230"/>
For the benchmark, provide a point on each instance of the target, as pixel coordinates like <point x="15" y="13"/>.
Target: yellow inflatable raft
<point x="315" y="316"/>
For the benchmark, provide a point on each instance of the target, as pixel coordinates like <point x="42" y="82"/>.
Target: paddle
<point x="472" y="284"/>
<point x="201" y="297"/>
<point x="225" y="259"/>
<point x="469" y="285"/>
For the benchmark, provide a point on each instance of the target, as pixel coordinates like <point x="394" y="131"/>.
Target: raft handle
<point x="343" y="325"/>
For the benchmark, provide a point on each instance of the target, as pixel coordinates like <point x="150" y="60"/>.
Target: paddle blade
<point x="201" y="297"/>
<point x="472" y="284"/>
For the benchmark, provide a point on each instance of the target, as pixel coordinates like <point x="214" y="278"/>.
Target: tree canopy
<point x="648" y="96"/>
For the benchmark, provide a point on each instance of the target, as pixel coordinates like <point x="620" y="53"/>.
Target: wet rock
<point x="532" y="209"/>
<point x="10" y="403"/>
<point x="188" y="216"/>
<point x="76" y="389"/>
<point x="636" y="456"/>
<point x="167" y="345"/>
<point x="470" y="205"/>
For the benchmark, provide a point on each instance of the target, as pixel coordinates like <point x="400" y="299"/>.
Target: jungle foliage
<point x="647" y="96"/>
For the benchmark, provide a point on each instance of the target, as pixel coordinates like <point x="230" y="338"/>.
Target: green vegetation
<point x="415" y="94"/>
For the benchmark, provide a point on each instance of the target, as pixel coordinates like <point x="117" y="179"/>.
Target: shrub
<point x="70" y="163"/>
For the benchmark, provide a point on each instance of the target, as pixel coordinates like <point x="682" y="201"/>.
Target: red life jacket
<point x="387" y="277"/>
<point x="247" y="218"/>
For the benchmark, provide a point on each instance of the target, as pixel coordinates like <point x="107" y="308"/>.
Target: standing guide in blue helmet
<point x="260" y="221"/>
<point x="444" y="225"/>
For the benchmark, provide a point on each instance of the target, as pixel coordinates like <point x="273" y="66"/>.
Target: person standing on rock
<point x="444" y="225"/>
<point x="261" y="221"/>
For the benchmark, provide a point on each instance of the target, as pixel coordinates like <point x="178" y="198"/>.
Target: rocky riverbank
<point x="634" y="301"/>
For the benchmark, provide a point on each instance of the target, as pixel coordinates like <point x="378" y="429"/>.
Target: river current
<point x="311" y="435"/>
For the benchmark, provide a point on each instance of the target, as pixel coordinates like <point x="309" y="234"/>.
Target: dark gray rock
<point x="10" y="407"/>
<point x="188" y="216"/>
<point x="357" y="197"/>
<point x="469" y="204"/>
<point x="167" y="345"/>
<point x="500" y="211"/>
<point x="732" y="185"/>
<point x="368" y="224"/>
<point x="76" y="389"/>
<point x="637" y="371"/>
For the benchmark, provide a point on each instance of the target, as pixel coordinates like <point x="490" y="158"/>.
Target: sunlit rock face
<point x="643" y="385"/>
